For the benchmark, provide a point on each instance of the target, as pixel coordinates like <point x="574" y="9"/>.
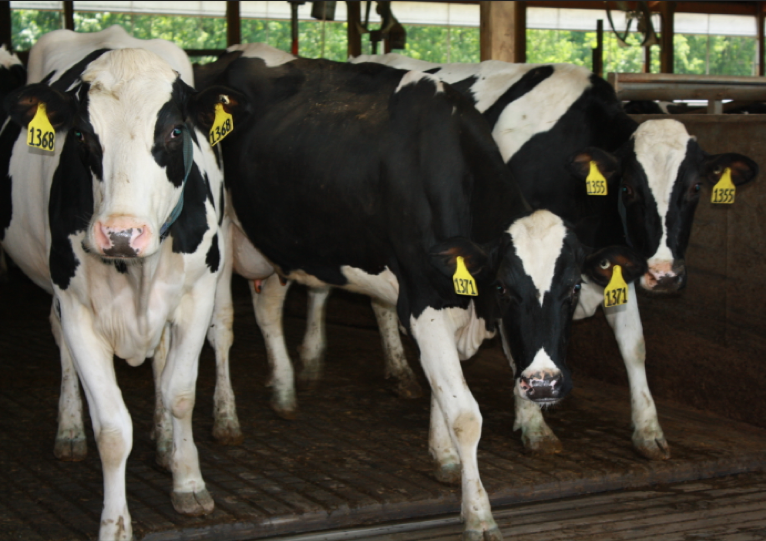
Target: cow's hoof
<point x="193" y="503"/>
<point x="287" y="413"/>
<point x="449" y="474"/>
<point x="656" y="449"/>
<point x="227" y="431"/>
<point x="71" y="449"/>
<point x="545" y="444"/>
<point x="409" y="388"/>
<point x="493" y="534"/>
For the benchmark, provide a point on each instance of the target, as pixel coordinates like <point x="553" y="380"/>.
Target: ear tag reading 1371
<point x="595" y="182"/>
<point x="41" y="133"/>
<point x="464" y="282"/>
<point x="724" y="190"/>
<point x="616" y="292"/>
<point x="222" y="125"/>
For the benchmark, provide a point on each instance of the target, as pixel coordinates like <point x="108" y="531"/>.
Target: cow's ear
<point x="202" y="106"/>
<point x="579" y="164"/>
<point x="599" y="266"/>
<point x="743" y="169"/>
<point x="22" y="104"/>
<point x="444" y="257"/>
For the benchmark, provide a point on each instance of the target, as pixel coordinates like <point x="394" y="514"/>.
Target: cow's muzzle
<point x="121" y="237"/>
<point x="664" y="277"/>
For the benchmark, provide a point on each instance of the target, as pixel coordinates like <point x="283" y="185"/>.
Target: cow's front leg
<point x="268" y="305"/>
<point x="625" y="320"/>
<point x="314" y="341"/>
<point x="112" y="425"/>
<point x="163" y="422"/>
<point x="396" y="361"/>
<point x="71" y="444"/>
<point x="435" y="335"/>
<point x="179" y="379"/>
<point x="220" y="334"/>
<point x="536" y="435"/>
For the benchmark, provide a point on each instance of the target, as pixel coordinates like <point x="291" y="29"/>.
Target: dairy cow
<point x="388" y="183"/>
<point x="551" y="122"/>
<point x="123" y="224"/>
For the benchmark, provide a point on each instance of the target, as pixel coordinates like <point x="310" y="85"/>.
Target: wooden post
<point x="68" y="15"/>
<point x="6" y="32"/>
<point x="352" y="28"/>
<point x="759" y="18"/>
<point x="666" y="37"/>
<point x="233" y="24"/>
<point x="503" y="32"/>
<point x="598" y="52"/>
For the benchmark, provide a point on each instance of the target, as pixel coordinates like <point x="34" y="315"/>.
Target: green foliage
<point x="723" y="55"/>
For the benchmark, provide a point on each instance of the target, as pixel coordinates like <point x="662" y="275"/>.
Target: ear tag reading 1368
<point x="616" y="292"/>
<point x="724" y="190"/>
<point x="41" y="133"/>
<point x="595" y="182"/>
<point x="464" y="282"/>
<point x="222" y="125"/>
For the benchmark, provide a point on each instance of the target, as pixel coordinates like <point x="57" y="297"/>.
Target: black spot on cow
<point x="213" y="257"/>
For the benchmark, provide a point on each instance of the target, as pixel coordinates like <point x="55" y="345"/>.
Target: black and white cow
<point x="13" y="74"/>
<point x="550" y="122"/>
<point x="122" y="223"/>
<point x="379" y="181"/>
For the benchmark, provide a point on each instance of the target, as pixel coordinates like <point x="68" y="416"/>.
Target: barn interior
<point x="354" y="464"/>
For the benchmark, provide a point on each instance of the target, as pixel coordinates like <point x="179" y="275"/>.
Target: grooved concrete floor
<point x="357" y="454"/>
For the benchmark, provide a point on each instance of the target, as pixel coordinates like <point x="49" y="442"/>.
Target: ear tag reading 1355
<point x="595" y="182"/>
<point x="724" y="190"/>
<point x="616" y="292"/>
<point x="464" y="282"/>
<point x="222" y="125"/>
<point x="41" y="133"/>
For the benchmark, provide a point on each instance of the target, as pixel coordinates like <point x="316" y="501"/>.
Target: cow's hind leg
<point x="396" y="362"/>
<point x="220" y="334"/>
<point x="314" y="341"/>
<point x="71" y="444"/>
<point x="625" y="320"/>
<point x="435" y="334"/>
<point x="268" y="305"/>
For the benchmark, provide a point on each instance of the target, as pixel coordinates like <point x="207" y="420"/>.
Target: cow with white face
<point x="123" y="224"/>
<point x="550" y="123"/>
<point x="388" y="183"/>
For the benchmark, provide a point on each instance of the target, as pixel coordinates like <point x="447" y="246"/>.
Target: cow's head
<point x="531" y="278"/>
<point x="659" y="174"/>
<point x="131" y="120"/>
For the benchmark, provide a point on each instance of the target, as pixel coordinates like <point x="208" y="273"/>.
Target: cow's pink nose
<point x="121" y="237"/>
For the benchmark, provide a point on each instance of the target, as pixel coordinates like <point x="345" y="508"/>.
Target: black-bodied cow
<point x="121" y="222"/>
<point x="550" y="122"/>
<point x="386" y="182"/>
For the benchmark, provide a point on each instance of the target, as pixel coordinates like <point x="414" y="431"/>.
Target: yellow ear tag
<point x="41" y="133"/>
<point x="724" y="190"/>
<point x="222" y="125"/>
<point x="616" y="291"/>
<point x="595" y="182"/>
<point x="464" y="282"/>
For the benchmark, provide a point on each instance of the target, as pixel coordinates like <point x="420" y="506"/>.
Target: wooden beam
<point x="352" y="28"/>
<point x="759" y="20"/>
<point x="502" y="31"/>
<point x="666" y="37"/>
<point x="6" y="32"/>
<point x="233" y="24"/>
<point x="68" y="14"/>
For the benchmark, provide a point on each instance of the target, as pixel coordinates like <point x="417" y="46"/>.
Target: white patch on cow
<point x="660" y="147"/>
<point x="538" y="239"/>
<point x="7" y="58"/>
<point x="270" y="55"/>
<point x="413" y="77"/>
